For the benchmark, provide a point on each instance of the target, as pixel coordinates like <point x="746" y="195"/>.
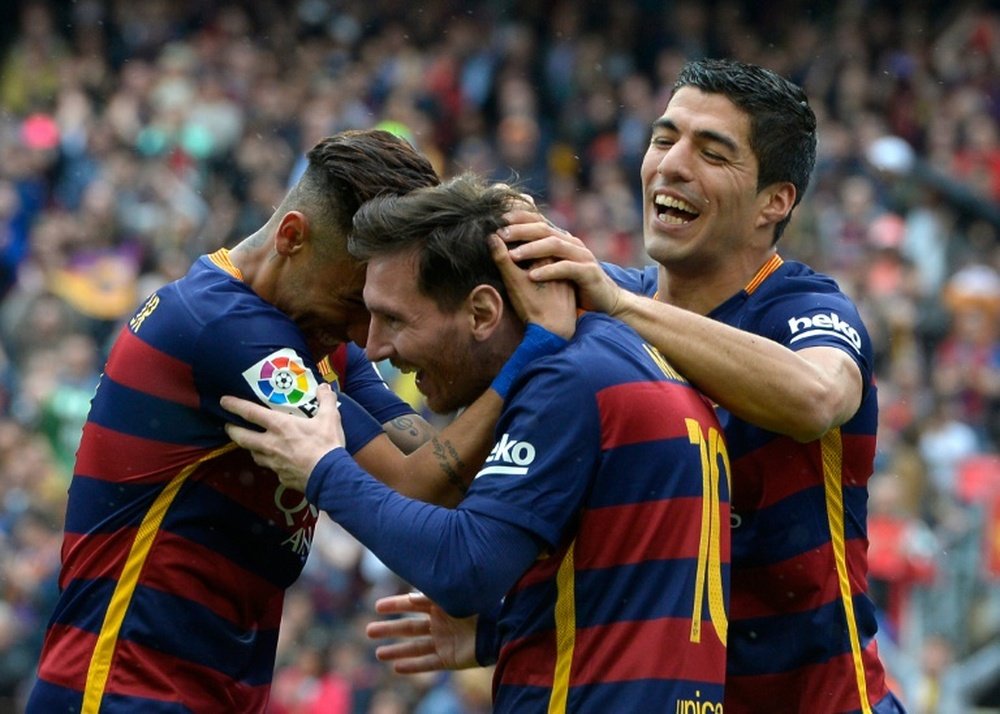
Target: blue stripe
<point x="773" y="645"/>
<point x="83" y="604"/>
<point x="616" y="485"/>
<point x="791" y="527"/>
<point x="164" y="622"/>
<point x="136" y="413"/>
<point x="204" y="516"/>
<point x="47" y="698"/>
<point x="611" y="595"/>
<point x="97" y="506"/>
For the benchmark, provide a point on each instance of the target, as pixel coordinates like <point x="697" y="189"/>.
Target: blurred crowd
<point x="136" y="135"/>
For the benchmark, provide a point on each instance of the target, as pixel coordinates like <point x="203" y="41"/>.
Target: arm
<point x="800" y="394"/>
<point x="465" y="560"/>
<point x="441" y="469"/>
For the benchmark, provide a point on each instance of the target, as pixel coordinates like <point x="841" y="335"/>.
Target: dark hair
<point x="448" y="225"/>
<point x="349" y="168"/>
<point x="782" y="124"/>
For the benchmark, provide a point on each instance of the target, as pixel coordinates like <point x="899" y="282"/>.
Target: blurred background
<point x="136" y="135"/>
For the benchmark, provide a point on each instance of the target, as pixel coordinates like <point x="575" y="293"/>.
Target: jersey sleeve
<point x="821" y="319"/>
<point x="547" y="449"/>
<point x="251" y="355"/>
<point x="363" y="382"/>
<point x="641" y="281"/>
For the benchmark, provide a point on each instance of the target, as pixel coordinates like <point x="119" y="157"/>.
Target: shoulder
<point x="642" y="281"/>
<point x="603" y="350"/>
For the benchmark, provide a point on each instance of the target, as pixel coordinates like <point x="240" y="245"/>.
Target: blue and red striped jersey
<point x="177" y="547"/>
<point x="617" y="464"/>
<point x="802" y="627"/>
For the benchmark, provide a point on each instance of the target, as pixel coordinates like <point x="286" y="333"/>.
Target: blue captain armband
<point x="537" y="342"/>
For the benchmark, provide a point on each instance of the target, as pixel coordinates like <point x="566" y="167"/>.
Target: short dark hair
<point x="782" y="124"/>
<point x="349" y="168"/>
<point x="448" y="225"/>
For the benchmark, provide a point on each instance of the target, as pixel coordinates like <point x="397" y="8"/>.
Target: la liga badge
<point x="283" y="382"/>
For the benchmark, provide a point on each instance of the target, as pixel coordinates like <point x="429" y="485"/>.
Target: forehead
<point x="692" y="110"/>
<point x="391" y="281"/>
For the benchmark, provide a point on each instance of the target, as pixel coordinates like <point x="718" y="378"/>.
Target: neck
<point x="701" y="292"/>
<point x="251" y="256"/>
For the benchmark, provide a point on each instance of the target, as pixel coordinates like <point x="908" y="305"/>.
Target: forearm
<point x="449" y="460"/>
<point x="462" y="560"/>
<point x="754" y="378"/>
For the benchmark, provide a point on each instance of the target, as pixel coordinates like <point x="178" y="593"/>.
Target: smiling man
<point x="600" y="517"/>
<point x="783" y="353"/>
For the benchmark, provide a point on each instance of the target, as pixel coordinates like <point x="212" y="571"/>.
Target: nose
<point x="676" y="162"/>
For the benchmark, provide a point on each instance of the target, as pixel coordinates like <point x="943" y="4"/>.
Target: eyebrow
<point x="704" y="134"/>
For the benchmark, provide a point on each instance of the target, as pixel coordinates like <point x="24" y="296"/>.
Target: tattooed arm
<point x="439" y="471"/>
<point x="408" y="432"/>
<point x="439" y="466"/>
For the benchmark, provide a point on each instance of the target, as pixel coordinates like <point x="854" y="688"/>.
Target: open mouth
<point x="674" y="210"/>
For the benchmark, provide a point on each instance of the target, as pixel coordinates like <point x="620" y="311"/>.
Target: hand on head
<point x="555" y="254"/>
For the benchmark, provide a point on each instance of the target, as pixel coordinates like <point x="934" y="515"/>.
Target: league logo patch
<point x="283" y="382"/>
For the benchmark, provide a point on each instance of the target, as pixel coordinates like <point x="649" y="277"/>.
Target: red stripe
<point x="859" y="457"/>
<point x="648" y="411"/>
<point x="112" y="456"/>
<point x="618" y="535"/>
<point x="799" y="584"/>
<point x="236" y="476"/>
<point x="622" y="651"/>
<point x="142" y="672"/>
<point x="828" y="688"/>
<point x="759" y="483"/>
<point x="66" y="656"/>
<point x="194" y="572"/>
<point x="144" y="368"/>
<point x="87" y="557"/>
<point x="625" y="651"/>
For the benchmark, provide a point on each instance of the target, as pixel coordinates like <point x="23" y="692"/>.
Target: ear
<point x="292" y="233"/>
<point x="486" y="309"/>
<point x="776" y="202"/>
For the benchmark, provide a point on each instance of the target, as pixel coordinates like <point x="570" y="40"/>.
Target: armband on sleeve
<point x="537" y="342"/>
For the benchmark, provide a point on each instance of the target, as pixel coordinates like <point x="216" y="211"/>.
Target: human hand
<point x="551" y="304"/>
<point x="289" y="445"/>
<point x="432" y="639"/>
<point x="556" y="254"/>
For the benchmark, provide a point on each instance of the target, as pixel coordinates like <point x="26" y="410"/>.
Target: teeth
<point x="671" y="202"/>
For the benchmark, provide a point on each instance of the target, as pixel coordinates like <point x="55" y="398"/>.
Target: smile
<point x="674" y="210"/>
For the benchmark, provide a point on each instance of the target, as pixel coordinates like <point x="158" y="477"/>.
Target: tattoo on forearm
<point x="405" y="423"/>
<point x="450" y="463"/>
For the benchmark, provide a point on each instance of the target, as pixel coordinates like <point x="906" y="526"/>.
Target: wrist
<point x="537" y="342"/>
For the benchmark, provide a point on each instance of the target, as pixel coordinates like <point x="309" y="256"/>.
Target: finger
<point x="325" y="397"/>
<point x="418" y="665"/>
<point x="405" y="627"/>
<point x="402" y="604"/>
<point x="417" y="647"/>
<point x="246" y="438"/>
<point x="519" y="213"/>
<point x="550" y="247"/>
<point x="250" y="411"/>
